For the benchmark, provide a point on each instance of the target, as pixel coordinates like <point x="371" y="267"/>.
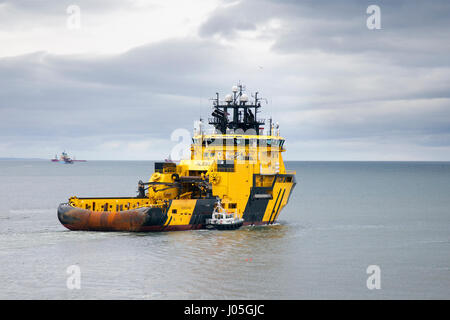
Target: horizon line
<point x="155" y="160"/>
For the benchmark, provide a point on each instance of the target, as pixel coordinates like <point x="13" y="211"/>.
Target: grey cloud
<point x="54" y="7"/>
<point x="152" y="89"/>
<point x="23" y="15"/>
<point x="414" y="33"/>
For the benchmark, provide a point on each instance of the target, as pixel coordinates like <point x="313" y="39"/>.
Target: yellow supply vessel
<point x="238" y="167"/>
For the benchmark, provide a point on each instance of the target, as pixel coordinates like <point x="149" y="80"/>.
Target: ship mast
<point x="243" y="117"/>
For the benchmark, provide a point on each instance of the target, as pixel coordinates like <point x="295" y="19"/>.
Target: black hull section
<point x="202" y="211"/>
<point x="233" y="226"/>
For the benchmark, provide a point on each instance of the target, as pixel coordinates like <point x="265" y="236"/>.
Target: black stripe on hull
<point x="255" y="209"/>
<point x="277" y="210"/>
<point x="203" y="210"/>
<point x="167" y="223"/>
<point x="273" y="209"/>
<point x="182" y="227"/>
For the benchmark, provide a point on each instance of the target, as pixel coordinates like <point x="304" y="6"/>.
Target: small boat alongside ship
<point x="221" y="219"/>
<point x="235" y="176"/>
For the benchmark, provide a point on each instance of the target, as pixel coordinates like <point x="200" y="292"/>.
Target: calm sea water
<point x="342" y="217"/>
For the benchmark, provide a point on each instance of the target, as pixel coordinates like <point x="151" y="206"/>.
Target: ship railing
<point x="210" y="131"/>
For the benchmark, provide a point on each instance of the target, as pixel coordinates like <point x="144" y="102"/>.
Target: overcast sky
<point x="119" y="83"/>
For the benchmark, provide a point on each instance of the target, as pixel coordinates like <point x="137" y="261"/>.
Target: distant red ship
<point x="64" y="158"/>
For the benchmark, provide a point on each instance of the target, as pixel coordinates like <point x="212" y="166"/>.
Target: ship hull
<point x="144" y="219"/>
<point x="179" y="215"/>
<point x="232" y="226"/>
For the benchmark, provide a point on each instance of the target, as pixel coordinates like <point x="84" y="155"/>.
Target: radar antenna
<point x="244" y="112"/>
